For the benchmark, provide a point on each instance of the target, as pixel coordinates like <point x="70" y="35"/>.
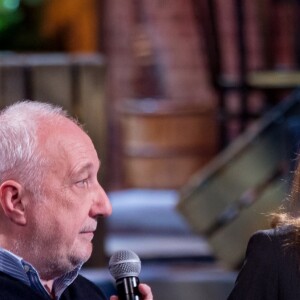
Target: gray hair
<point x="20" y="156"/>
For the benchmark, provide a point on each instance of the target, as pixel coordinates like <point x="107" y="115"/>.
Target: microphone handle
<point x="127" y="288"/>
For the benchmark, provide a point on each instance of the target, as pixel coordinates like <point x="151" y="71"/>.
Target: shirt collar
<point x="23" y="271"/>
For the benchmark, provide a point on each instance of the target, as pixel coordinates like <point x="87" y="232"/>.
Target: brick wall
<point x="175" y="66"/>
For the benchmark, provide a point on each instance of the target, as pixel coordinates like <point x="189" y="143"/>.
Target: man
<point x="50" y="200"/>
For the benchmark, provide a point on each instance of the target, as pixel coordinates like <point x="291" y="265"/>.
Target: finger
<point x="146" y="292"/>
<point x="113" y="298"/>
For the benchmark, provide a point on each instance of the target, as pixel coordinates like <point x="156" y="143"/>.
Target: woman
<point x="271" y="268"/>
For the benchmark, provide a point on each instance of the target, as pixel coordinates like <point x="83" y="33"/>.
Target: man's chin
<point x="80" y="257"/>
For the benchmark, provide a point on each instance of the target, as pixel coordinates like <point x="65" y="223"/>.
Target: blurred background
<point x="193" y="106"/>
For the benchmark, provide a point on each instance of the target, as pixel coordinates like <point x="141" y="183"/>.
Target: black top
<point x="271" y="268"/>
<point x="80" y="289"/>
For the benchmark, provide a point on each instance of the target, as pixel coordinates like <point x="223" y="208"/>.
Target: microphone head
<point x="124" y="263"/>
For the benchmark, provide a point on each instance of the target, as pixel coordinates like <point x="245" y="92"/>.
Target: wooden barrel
<point x="165" y="142"/>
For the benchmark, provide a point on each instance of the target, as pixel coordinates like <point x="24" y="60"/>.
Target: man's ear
<point x="12" y="201"/>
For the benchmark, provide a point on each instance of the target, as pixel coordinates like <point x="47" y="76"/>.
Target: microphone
<point x="125" y="267"/>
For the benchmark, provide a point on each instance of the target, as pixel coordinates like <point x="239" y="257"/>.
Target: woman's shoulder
<point x="280" y="232"/>
<point x="279" y="237"/>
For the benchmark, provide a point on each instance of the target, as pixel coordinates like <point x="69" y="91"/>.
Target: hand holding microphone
<point x="125" y="267"/>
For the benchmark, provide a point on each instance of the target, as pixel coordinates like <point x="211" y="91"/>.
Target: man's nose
<point x="101" y="205"/>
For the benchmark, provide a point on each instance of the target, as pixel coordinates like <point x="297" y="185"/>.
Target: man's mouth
<point x="88" y="234"/>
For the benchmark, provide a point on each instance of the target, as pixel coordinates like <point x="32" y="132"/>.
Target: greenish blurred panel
<point x="228" y="200"/>
<point x="229" y="242"/>
<point x="245" y="167"/>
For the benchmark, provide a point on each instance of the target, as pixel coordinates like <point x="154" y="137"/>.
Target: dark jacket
<point x="271" y="268"/>
<point x="80" y="289"/>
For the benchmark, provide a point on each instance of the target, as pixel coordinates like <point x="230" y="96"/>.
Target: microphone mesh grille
<point x="124" y="263"/>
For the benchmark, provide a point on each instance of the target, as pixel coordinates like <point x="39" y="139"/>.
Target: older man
<point x="50" y="200"/>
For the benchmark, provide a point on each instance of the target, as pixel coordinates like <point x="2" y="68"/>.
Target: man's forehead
<point x="86" y="166"/>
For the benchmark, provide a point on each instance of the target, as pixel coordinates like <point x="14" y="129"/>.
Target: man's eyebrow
<point x="86" y="167"/>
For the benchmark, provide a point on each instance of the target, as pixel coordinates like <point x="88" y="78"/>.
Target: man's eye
<point x="82" y="183"/>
